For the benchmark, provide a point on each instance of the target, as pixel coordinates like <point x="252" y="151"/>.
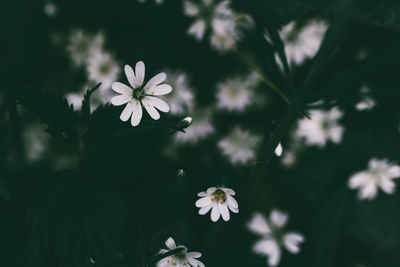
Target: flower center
<point x="138" y="93"/>
<point x="219" y="196"/>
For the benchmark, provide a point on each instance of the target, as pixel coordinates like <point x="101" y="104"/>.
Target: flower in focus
<point x="239" y="145"/>
<point x="235" y="94"/>
<point x="102" y="67"/>
<point x="82" y="44"/>
<point x="200" y="127"/>
<point x="218" y="17"/>
<point x="322" y="127"/>
<point x="182" y="258"/>
<point x="219" y="200"/>
<point x="136" y="95"/>
<point x="273" y="236"/>
<point x="181" y="99"/>
<point x="379" y="174"/>
<point x="302" y="43"/>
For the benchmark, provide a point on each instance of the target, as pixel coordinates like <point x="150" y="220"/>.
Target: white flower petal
<point x="291" y="242"/>
<point x="205" y="209"/>
<point x="139" y="71"/>
<point x="197" y="29"/>
<point x="190" y="9"/>
<point x="130" y="75"/>
<point x="170" y="243"/>
<point x="387" y="185"/>
<point x="156" y="80"/>
<point x="194" y="254"/>
<point x="223" y="208"/>
<point x="202" y="194"/>
<point x="394" y="171"/>
<point x="368" y="191"/>
<point x="203" y="202"/>
<point x="120" y="100"/>
<point x="232" y="202"/>
<point x="150" y="109"/>
<point x="211" y="190"/>
<point x="229" y="191"/>
<point x="358" y="179"/>
<point x="157" y="103"/>
<point x="137" y="114"/>
<point x="215" y="213"/>
<point x="127" y="112"/>
<point x="161" y="89"/>
<point x="121" y="88"/>
<point x="278" y="218"/>
<point x="259" y="225"/>
<point x="234" y="210"/>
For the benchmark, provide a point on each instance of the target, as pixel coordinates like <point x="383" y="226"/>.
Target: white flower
<point x="181" y="100"/>
<point x="136" y="95"/>
<point x="219" y="200"/>
<point x="303" y="43"/>
<point x="50" y="9"/>
<point x="218" y="17"/>
<point x="279" y="150"/>
<point x="82" y="44"/>
<point x="379" y="174"/>
<point x="239" y="145"/>
<point x="102" y="67"/>
<point x="322" y="127"/>
<point x="235" y="94"/>
<point x="180" y="259"/>
<point x="200" y="128"/>
<point x="273" y="237"/>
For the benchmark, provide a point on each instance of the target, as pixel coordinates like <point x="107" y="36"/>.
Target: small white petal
<point x="259" y="225"/>
<point x="223" y="208"/>
<point x="358" y="179"/>
<point x="127" y="112"/>
<point x="156" y="80"/>
<point x="121" y="88"/>
<point x="291" y="242"/>
<point x="139" y="71"/>
<point x="202" y="194"/>
<point x="368" y="191"/>
<point x="229" y="191"/>
<point x="215" y="213"/>
<point x="190" y="9"/>
<point x="211" y="190"/>
<point x="120" y="100"/>
<point x="157" y="103"/>
<point x="203" y="202"/>
<point x="234" y="210"/>
<point x="278" y="218"/>
<point x="150" y="109"/>
<point x="205" y="209"/>
<point x="194" y="254"/>
<point x="161" y="89"/>
<point x="137" y="114"/>
<point x="394" y="171"/>
<point x="278" y="150"/>
<point x="387" y="185"/>
<point x="130" y="75"/>
<point x="232" y="202"/>
<point x="170" y="243"/>
<point x="197" y="29"/>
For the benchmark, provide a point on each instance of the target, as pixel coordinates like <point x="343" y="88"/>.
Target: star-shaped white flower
<point x="379" y="174"/>
<point x="137" y="96"/>
<point x="180" y="259"/>
<point x="220" y="200"/>
<point x="272" y="236"/>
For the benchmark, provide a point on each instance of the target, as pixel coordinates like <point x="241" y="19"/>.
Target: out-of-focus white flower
<point x="181" y="99"/>
<point x="136" y="95"/>
<point x="302" y="43"/>
<point x="239" y="146"/>
<point x="217" y="17"/>
<point x="180" y="259"/>
<point x="96" y="99"/>
<point x="366" y="102"/>
<point x="235" y="94"/>
<point x="219" y="200"/>
<point x="273" y="237"/>
<point x="279" y="150"/>
<point x="380" y="173"/>
<point x="36" y="141"/>
<point x="50" y="9"/>
<point x="82" y="44"/>
<point x="322" y="127"/>
<point x="199" y="129"/>
<point x="102" y="67"/>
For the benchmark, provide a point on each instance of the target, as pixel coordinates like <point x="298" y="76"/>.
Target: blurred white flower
<point x="158" y="2"/>
<point x="379" y="174"/>
<point x="102" y="67"/>
<point x="96" y="99"/>
<point x="50" y="9"/>
<point x="82" y="44"/>
<point x="302" y="43"/>
<point x="181" y="99"/>
<point x="322" y="127"/>
<point x="199" y="129"/>
<point x="239" y="146"/>
<point x="279" y="150"/>
<point x="181" y="259"/>
<point x="219" y="200"/>
<point x="136" y="95"/>
<point x="36" y="141"/>
<point x="235" y="94"/>
<point x="215" y="16"/>
<point x="273" y="236"/>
